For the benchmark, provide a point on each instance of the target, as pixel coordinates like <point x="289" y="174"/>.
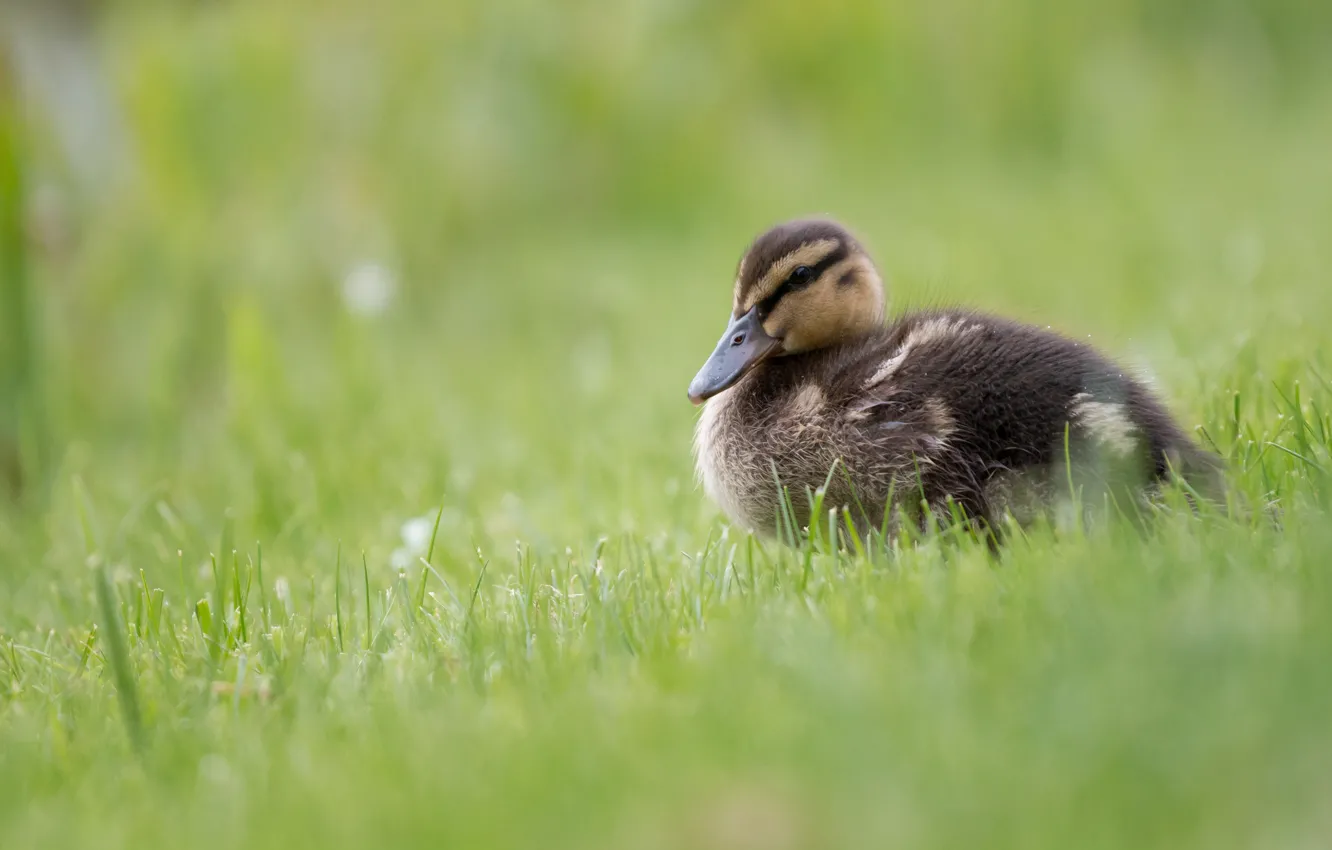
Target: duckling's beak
<point x="744" y="345"/>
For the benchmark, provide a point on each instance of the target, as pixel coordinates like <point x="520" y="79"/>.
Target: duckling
<point x="941" y="408"/>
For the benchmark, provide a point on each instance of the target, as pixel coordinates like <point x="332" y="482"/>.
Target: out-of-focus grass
<point x="15" y="345"/>
<point x="557" y="195"/>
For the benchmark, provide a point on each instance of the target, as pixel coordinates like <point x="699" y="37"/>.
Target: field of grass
<point x="346" y="495"/>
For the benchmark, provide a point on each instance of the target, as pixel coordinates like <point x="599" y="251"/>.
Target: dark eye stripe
<point x="767" y="305"/>
<point x="838" y="254"/>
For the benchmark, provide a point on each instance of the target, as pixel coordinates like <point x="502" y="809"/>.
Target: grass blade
<point x="118" y="655"/>
<point x="365" y="575"/>
<point x="337" y="596"/>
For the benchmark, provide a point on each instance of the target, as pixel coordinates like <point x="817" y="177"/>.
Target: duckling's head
<point x="801" y="286"/>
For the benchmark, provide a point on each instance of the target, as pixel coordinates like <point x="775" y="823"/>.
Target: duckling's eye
<point x="801" y="276"/>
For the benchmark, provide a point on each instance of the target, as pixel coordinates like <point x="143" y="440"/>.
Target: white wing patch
<point x="928" y="331"/>
<point x="1106" y="422"/>
<point x="889" y="367"/>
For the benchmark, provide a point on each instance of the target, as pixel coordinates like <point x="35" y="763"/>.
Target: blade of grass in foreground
<point x="118" y="654"/>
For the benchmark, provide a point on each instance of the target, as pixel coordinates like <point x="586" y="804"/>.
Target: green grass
<point x="441" y="576"/>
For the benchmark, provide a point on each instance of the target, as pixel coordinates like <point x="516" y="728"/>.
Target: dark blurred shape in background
<point x="55" y="48"/>
<point x="14" y="343"/>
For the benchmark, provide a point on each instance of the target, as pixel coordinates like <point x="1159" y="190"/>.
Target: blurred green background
<point x="557" y="196"/>
<point x="300" y="272"/>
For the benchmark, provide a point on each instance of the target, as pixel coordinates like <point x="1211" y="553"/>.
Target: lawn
<point x="346" y="489"/>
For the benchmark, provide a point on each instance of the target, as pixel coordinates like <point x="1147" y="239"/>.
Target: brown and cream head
<point x="802" y="285"/>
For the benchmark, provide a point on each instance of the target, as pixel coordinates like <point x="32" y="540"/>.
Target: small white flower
<point x="416" y="533"/>
<point x="282" y="590"/>
<point x="368" y="288"/>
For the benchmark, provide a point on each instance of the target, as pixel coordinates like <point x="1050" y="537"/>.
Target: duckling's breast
<point x="746" y="442"/>
<point x="730" y="462"/>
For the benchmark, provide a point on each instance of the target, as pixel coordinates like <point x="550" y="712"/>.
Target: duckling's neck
<point x="780" y="374"/>
<point x="815" y="356"/>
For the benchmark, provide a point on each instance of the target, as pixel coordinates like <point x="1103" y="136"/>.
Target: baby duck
<point x="938" y="408"/>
